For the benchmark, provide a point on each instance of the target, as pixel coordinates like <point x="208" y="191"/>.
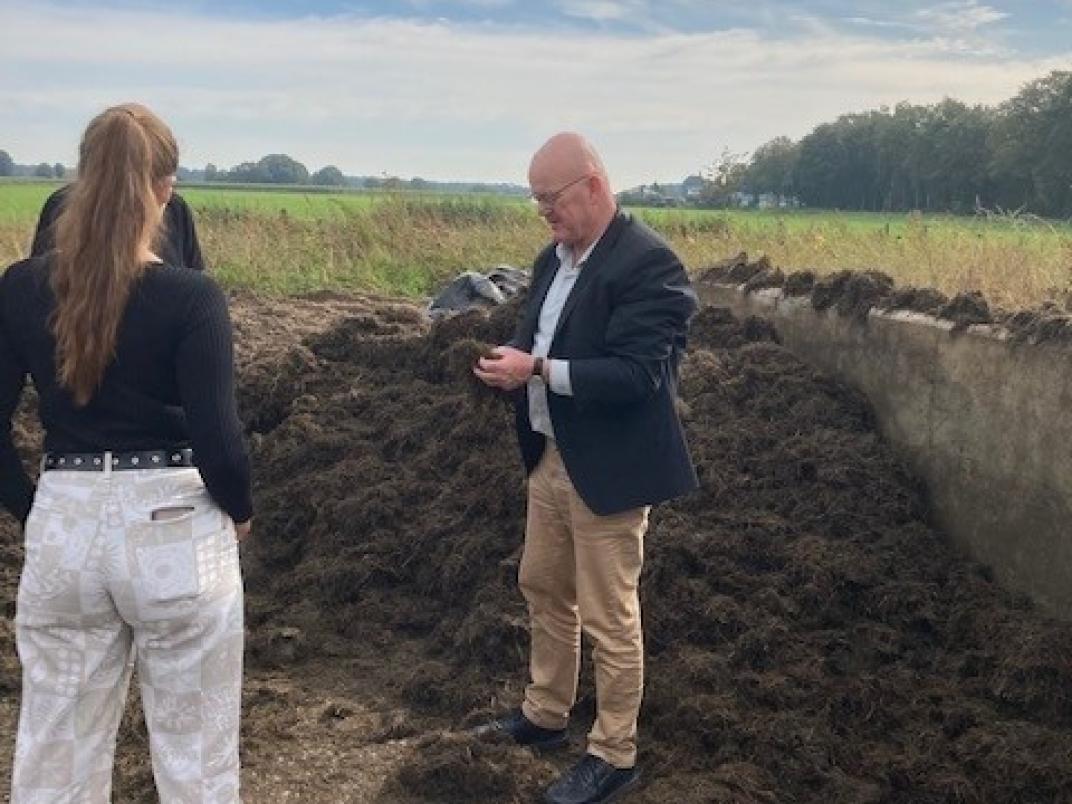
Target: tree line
<point x="947" y="156"/>
<point x="280" y="169"/>
<point x="271" y="169"/>
<point x="283" y="169"/>
<point x="44" y="170"/>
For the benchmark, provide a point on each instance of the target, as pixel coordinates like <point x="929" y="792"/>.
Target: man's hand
<point x="508" y="368"/>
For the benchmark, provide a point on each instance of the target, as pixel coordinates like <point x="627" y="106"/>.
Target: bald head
<point x="570" y="153"/>
<point x="568" y="172"/>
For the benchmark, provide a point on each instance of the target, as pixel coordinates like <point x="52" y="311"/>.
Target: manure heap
<point x="810" y="638"/>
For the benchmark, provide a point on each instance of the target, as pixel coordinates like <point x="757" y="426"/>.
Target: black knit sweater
<point x="171" y="384"/>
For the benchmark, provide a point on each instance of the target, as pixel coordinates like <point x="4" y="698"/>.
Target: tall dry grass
<point x="410" y="246"/>
<point x="398" y="246"/>
<point x="1013" y="265"/>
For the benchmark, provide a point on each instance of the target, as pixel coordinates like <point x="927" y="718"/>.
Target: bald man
<point x="594" y="369"/>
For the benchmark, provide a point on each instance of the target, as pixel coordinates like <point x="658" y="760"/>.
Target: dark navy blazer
<point x="623" y="329"/>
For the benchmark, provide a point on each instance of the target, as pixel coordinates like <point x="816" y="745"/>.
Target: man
<point x="594" y="361"/>
<point x="178" y="246"/>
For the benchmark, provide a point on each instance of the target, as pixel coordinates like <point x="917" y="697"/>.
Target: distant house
<point x="652" y="195"/>
<point x="692" y="187"/>
<point x="763" y="200"/>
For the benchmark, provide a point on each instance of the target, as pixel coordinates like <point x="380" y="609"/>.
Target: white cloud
<point x="961" y="16"/>
<point x="424" y="5"/>
<point x="602" y="10"/>
<point x="877" y="23"/>
<point x="450" y="101"/>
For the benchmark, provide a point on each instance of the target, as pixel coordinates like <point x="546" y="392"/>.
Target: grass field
<point x="295" y="240"/>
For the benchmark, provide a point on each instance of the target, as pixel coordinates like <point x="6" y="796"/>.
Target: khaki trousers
<point x="105" y="584"/>
<point x="580" y="570"/>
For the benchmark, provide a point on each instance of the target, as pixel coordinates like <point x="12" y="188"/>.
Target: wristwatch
<point x="537" y="367"/>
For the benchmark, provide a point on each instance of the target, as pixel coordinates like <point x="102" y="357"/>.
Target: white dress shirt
<point x="558" y="370"/>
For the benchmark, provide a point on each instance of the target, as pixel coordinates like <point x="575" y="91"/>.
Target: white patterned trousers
<point x="123" y="568"/>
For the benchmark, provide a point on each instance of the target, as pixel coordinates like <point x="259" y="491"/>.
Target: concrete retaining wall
<point x="986" y="423"/>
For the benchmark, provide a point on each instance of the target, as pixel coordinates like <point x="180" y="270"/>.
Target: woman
<point x="131" y="536"/>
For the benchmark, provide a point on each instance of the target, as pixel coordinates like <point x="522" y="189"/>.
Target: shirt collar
<point x="565" y="253"/>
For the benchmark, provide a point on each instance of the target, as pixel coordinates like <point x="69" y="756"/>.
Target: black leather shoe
<point x="524" y="732"/>
<point x="592" y="781"/>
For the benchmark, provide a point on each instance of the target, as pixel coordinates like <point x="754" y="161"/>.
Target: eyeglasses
<point x="548" y="200"/>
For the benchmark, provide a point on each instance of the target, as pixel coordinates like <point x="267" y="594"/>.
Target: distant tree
<point x="392" y="183"/>
<point x="947" y="156"/>
<point x="722" y="179"/>
<point x="822" y="167"/>
<point x="7" y="164"/>
<point x="246" y="172"/>
<point x="328" y="176"/>
<point x="1031" y="144"/>
<point x="282" y="169"/>
<point x="692" y="184"/>
<point x="952" y="169"/>
<point x="772" y="166"/>
<point x="211" y="172"/>
<point x="43" y="170"/>
<point x="417" y="183"/>
<point x="899" y="150"/>
<point x="58" y="170"/>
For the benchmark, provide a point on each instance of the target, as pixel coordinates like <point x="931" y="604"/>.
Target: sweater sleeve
<point x="16" y="489"/>
<point x="205" y="369"/>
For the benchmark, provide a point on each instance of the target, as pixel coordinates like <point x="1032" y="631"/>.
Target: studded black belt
<point x="117" y="461"/>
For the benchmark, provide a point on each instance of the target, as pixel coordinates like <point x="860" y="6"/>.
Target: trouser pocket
<point x="176" y="550"/>
<point x="171" y="512"/>
<point x="165" y="562"/>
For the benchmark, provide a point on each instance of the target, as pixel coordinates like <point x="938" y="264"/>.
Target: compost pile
<point x="855" y="293"/>
<point x="810" y="638"/>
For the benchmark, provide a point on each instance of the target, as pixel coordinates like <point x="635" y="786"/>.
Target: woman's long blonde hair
<point x="111" y="215"/>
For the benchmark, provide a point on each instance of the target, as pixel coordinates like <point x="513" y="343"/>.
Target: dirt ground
<point x="810" y="638"/>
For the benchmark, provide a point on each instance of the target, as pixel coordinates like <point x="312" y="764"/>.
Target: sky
<point x="468" y="89"/>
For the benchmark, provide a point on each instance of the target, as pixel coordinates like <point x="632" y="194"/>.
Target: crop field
<point x="293" y="240"/>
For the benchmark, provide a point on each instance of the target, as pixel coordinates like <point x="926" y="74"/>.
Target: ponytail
<point x="110" y="217"/>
